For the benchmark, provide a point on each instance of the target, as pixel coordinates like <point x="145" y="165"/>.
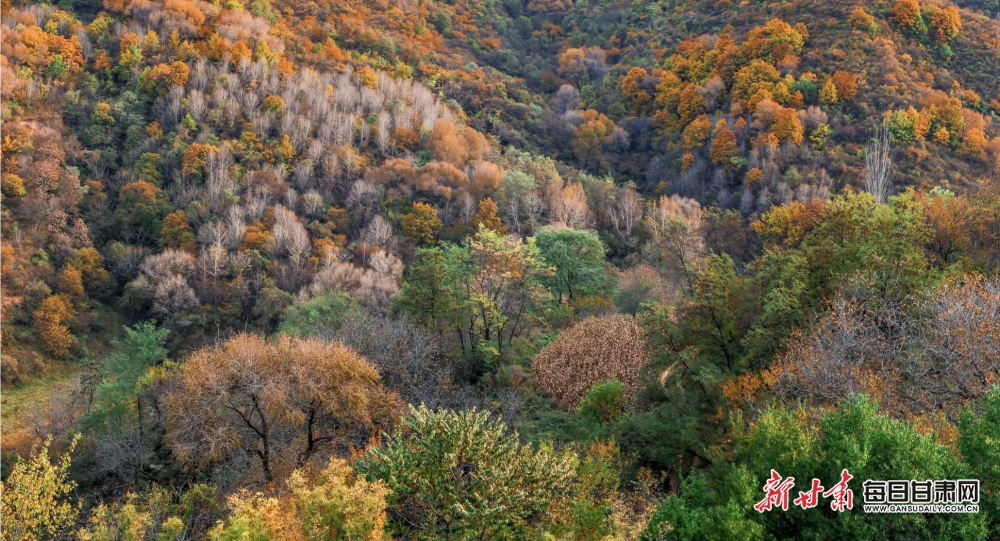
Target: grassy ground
<point x="23" y="408"/>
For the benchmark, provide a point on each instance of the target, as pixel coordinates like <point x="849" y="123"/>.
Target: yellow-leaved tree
<point x="35" y="500"/>
<point x="336" y="505"/>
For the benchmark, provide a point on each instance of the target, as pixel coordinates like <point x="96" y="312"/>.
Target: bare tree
<point x="626" y="214"/>
<point x="312" y="202"/>
<point x="878" y="163"/>
<point x="213" y="261"/>
<point x="513" y="217"/>
<point x="534" y="207"/>
<point x="409" y="358"/>
<point x="377" y="232"/>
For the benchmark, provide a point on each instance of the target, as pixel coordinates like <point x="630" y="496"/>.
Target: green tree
<point x="141" y="209"/>
<point x="485" y="291"/>
<point x="458" y="475"/>
<point x="979" y="442"/>
<point x="717" y="503"/>
<point x="327" y="310"/>
<point x="118" y="394"/>
<point x="854" y="238"/>
<point x="578" y="259"/>
<point x="729" y="324"/>
<point x="428" y="295"/>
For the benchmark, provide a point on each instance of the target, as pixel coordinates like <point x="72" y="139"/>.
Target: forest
<point x="487" y="270"/>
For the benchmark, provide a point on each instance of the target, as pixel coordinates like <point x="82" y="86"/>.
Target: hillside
<point x="484" y="269"/>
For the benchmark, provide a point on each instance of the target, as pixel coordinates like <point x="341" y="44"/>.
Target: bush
<point x="595" y="350"/>
<point x="327" y="310"/>
<point x="458" y="475"/>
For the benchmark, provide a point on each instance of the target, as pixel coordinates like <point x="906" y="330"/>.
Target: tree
<point x="696" y="133"/>
<point x="485" y="291"/>
<point x="118" y="394"/>
<point x="828" y="94"/>
<point x="594" y="350"/>
<point x="854" y="237"/>
<point x="280" y="402"/>
<point x="878" y="164"/>
<point x="862" y="19"/>
<point x="626" y="213"/>
<point x="487" y="217"/>
<point x="979" y="442"/>
<point x="422" y="224"/>
<point x="50" y="321"/>
<point x="328" y="309"/>
<point x="177" y="233"/>
<point x="633" y="90"/>
<point x="35" y="499"/>
<point x="906" y="12"/>
<point x="71" y="283"/>
<point x="954" y="338"/>
<point x="847" y="85"/>
<point x="460" y="476"/>
<point x="724" y="150"/>
<point x="427" y="295"/>
<point x="787" y="126"/>
<point x="946" y="23"/>
<point x="718" y="503"/>
<point x="592" y="134"/>
<point x="336" y="505"/>
<point x="141" y="209"/>
<point x="97" y="281"/>
<point x="578" y="259"/>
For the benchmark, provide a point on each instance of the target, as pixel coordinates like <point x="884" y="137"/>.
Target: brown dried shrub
<point x="594" y="350"/>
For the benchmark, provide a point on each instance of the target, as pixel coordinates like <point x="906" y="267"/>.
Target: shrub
<point x="458" y="475"/>
<point x="595" y="350"/>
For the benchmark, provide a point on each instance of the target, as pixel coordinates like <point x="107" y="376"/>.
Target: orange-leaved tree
<point x="281" y="402"/>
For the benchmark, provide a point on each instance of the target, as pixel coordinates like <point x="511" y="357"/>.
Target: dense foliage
<point x="478" y="269"/>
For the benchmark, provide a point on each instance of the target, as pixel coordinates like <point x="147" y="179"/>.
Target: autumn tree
<point x="280" y="402"/>
<point x="422" y="224"/>
<point x="861" y="18"/>
<point x="593" y="133"/>
<point x="487" y="217"/>
<point x="177" y="233"/>
<point x="336" y="504"/>
<point x="946" y="23"/>
<point x="460" y="475"/>
<point x="850" y="351"/>
<point x="696" y="133"/>
<point x="97" y="281"/>
<point x="724" y="149"/>
<point x="846" y="84"/>
<point x="486" y="179"/>
<point x="50" y="322"/>
<point x="906" y="12"/>
<point x="633" y="90"/>
<point x="787" y="126"/>
<point x="828" y="93"/>
<point x="595" y="350"/>
<point x="71" y="283"/>
<point x="35" y="499"/>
